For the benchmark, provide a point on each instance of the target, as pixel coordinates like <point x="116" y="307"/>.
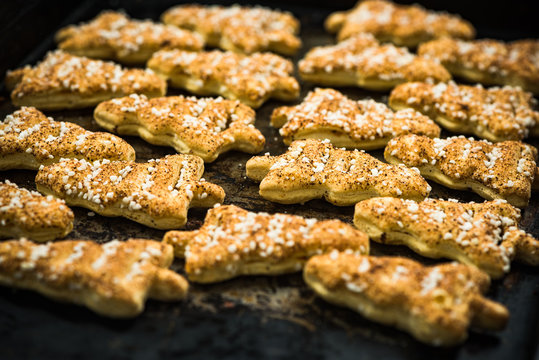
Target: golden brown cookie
<point x="484" y="235"/>
<point x="234" y="242"/>
<point x="361" y="61"/>
<point x="238" y="28"/>
<point x="250" y="79"/>
<point x="504" y="170"/>
<point x="157" y="193"/>
<point x="65" y="81"/>
<point x="112" y="279"/>
<point x="29" y="214"/>
<point x="314" y="169"/>
<point x="435" y="304"/>
<point x="29" y="139"/>
<point x="489" y="62"/>
<point x="113" y="35"/>
<point x="495" y="114"/>
<point x="205" y="127"/>
<point x="363" y="124"/>
<point x="402" y="25"/>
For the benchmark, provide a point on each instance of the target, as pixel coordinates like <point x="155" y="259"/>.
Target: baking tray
<point x="250" y="317"/>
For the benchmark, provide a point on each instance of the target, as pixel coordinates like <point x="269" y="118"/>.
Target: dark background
<point x="251" y="317"/>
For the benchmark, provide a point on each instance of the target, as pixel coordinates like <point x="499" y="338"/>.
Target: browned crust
<point x="250" y="79"/>
<point x="313" y="169"/>
<point x="29" y="214"/>
<point x="233" y="242"/>
<point x="489" y="62"/>
<point x="112" y="279"/>
<point x="63" y="81"/>
<point x="363" y="124"/>
<point x="239" y="29"/>
<point x="29" y="139"/>
<point x="480" y="234"/>
<point x="435" y="304"/>
<point x="495" y="114"/>
<point x="362" y="61"/>
<point x="157" y="193"/>
<point x="403" y="25"/>
<point x="505" y="170"/>
<point x="205" y="127"/>
<point x="114" y="36"/>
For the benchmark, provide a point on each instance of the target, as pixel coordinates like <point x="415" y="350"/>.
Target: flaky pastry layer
<point x="29" y="139"/>
<point x="362" y="61"/>
<point x="233" y="242"/>
<point x="504" y="170"/>
<point x="113" y="35"/>
<point x="250" y="79"/>
<point x="313" y="169"/>
<point x="29" y="214"/>
<point x="65" y="81"/>
<point x="403" y="25"/>
<point x="205" y="127"/>
<point x="112" y="279"/>
<point x="157" y="193"/>
<point x="489" y="62"/>
<point x="238" y="28"/>
<point x="363" y="124"/>
<point x="480" y="234"/>
<point x="495" y="114"/>
<point x="435" y="304"/>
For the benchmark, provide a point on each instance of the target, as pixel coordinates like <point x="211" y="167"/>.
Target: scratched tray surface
<point x="264" y="317"/>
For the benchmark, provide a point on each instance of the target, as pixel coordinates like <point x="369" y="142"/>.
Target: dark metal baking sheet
<point x="255" y="317"/>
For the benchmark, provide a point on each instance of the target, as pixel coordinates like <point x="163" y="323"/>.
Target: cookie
<point x="435" y="304"/>
<point x="234" y="242"/>
<point x="250" y="79"/>
<point x="239" y="28"/>
<point x="479" y="234"/>
<point x="157" y="193"/>
<point x="65" y="81"/>
<point x="112" y="279"/>
<point x="29" y="139"/>
<point x="489" y="62"/>
<point x="362" y="124"/>
<point x="314" y="169"/>
<point x="402" y="25"/>
<point x="205" y="127"/>
<point x="114" y="36"/>
<point x="29" y="214"/>
<point x="495" y="114"/>
<point x="504" y="170"/>
<point x="361" y="61"/>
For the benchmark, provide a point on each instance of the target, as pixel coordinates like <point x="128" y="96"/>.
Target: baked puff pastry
<point x="402" y="25"/>
<point x="65" y="81"/>
<point x="234" y="242"/>
<point x="488" y="62"/>
<point x="29" y="139"/>
<point x="250" y="79"/>
<point x="112" y="279"/>
<point x="157" y="193"/>
<point x="495" y="114"/>
<point x="505" y="170"/>
<point x="204" y="127"/>
<point x="29" y="214"/>
<point x="114" y="36"/>
<point x="483" y="235"/>
<point x="239" y="29"/>
<point x="435" y="304"/>
<point x="363" y="124"/>
<point x="361" y="61"/>
<point x="314" y="169"/>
